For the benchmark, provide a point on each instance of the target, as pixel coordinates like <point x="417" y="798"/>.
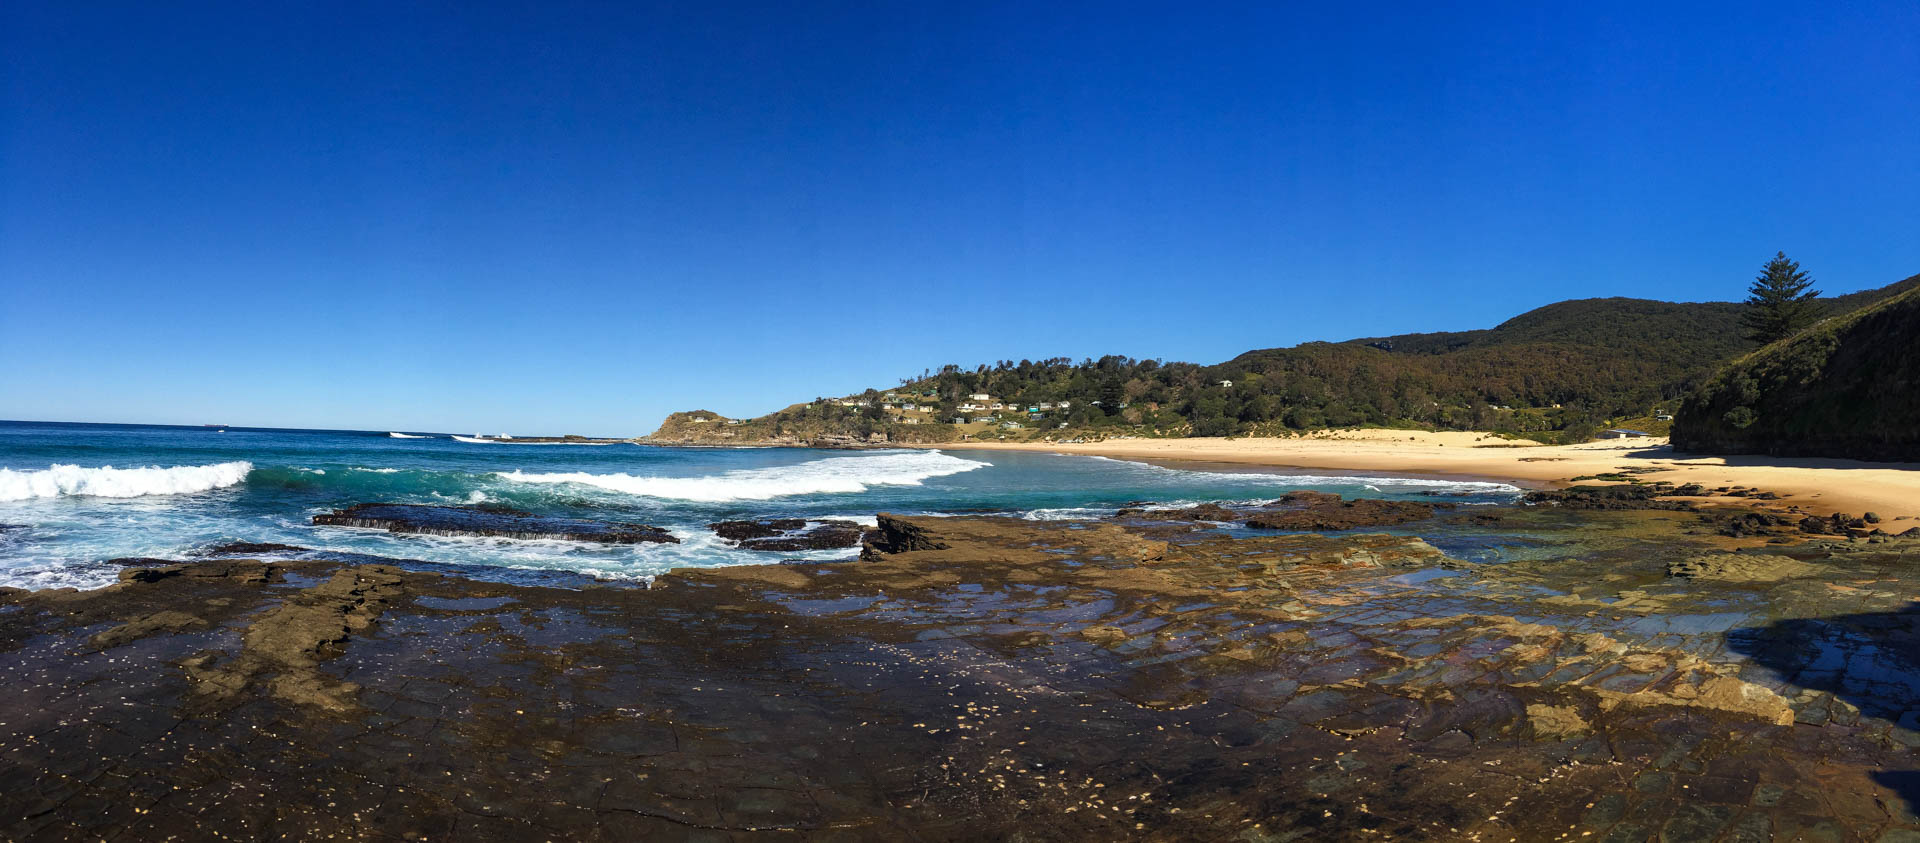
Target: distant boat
<point x="407" y="436"/>
<point x="478" y="440"/>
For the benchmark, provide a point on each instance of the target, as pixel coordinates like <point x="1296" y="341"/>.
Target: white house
<point x="1046" y="405"/>
<point x="1623" y="433"/>
<point x="1226" y="384"/>
<point x="981" y="396"/>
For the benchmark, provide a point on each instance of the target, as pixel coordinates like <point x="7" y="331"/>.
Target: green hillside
<point x="1558" y="372"/>
<point x="1847" y="387"/>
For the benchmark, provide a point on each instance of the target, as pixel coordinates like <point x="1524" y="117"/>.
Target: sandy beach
<point x="1817" y="486"/>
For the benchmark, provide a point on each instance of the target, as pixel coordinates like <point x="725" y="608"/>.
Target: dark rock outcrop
<point x="1622" y="496"/>
<point x="789" y="534"/>
<point x="895" y="534"/>
<point x="1202" y="512"/>
<point x="488" y="522"/>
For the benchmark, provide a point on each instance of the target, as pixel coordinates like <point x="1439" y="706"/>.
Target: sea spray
<point x="109" y="482"/>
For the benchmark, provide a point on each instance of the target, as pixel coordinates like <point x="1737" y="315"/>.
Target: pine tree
<point x="1779" y="304"/>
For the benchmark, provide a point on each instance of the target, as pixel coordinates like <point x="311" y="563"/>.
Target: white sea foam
<point x="835" y="475"/>
<point x="109" y="482"/>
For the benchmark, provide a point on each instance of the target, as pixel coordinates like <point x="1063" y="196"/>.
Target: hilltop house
<point x="1226" y="384"/>
<point x="981" y="396"/>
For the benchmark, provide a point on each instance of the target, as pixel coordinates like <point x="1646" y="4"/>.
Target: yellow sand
<point x="1819" y="486"/>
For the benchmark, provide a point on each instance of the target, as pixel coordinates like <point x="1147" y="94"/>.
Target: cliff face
<point x="1847" y="387"/>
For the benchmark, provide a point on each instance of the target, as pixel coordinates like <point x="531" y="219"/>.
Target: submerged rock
<point x="1322" y="513"/>
<point x="1299" y="510"/>
<point x="488" y="522"/>
<point x="1739" y="567"/>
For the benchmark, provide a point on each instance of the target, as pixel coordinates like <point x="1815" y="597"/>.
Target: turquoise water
<point x="75" y="495"/>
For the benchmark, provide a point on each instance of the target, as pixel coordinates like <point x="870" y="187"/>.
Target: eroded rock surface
<point x="1596" y="675"/>
<point x="488" y="522"/>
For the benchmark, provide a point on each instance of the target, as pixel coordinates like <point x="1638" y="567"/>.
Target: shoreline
<point x="1815" y="486"/>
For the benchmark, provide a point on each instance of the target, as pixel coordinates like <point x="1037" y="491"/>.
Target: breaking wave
<point x="109" y="482"/>
<point x="835" y="475"/>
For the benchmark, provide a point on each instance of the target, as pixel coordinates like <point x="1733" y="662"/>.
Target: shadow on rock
<point x="1868" y="661"/>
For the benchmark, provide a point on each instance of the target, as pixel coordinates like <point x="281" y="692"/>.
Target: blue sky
<point x="546" y="218"/>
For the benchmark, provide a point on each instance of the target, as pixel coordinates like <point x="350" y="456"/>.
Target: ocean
<point x="73" y="496"/>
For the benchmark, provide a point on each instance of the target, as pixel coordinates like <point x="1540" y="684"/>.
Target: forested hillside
<point x="1556" y="372"/>
<point x="1847" y="387"/>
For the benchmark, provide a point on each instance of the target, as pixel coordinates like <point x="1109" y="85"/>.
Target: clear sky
<point x="558" y="218"/>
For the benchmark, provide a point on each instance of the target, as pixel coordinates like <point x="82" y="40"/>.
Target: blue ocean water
<point x="75" y="495"/>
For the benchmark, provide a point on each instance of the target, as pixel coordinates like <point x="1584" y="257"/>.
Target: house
<point x="1663" y="417"/>
<point x="1226" y="384"/>
<point x="959" y="419"/>
<point x="910" y="420"/>
<point x="999" y="406"/>
<point x="970" y="406"/>
<point x="1623" y="433"/>
<point x="981" y="396"/>
<point x="908" y="407"/>
<point x="1012" y="425"/>
<point x="1045" y="405"/>
<point x="1065" y="404"/>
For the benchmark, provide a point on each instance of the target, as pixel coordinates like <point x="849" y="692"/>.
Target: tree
<point x="1779" y="304"/>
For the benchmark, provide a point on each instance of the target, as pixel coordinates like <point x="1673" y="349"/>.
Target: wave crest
<point x="835" y="475"/>
<point x="109" y="482"/>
